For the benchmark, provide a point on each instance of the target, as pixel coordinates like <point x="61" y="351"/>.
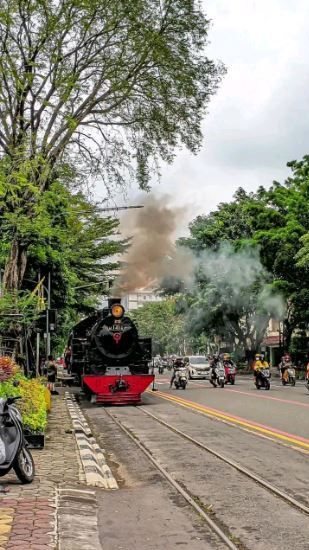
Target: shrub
<point x="32" y="405"/>
<point x="8" y="368"/>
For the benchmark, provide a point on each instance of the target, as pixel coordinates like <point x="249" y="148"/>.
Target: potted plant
<point x="32" y="405"/>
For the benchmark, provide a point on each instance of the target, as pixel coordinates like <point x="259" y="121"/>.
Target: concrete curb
<point x="78" y="519"/>
<point x="97" y="472"/>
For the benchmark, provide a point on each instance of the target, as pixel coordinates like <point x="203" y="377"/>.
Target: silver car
<point x="198" y="367"/>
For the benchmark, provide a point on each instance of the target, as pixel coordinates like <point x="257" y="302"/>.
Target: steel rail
<point x="213" y="526"/>
<point x="281" y="494"/>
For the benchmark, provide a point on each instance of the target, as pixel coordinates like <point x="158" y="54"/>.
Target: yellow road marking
<point x="233" y="420"/>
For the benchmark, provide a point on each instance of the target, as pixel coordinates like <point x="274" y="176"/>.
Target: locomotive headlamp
<point x="117" y="311"/>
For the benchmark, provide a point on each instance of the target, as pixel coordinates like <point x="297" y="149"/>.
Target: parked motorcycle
<point x="13" y="448"/>
<point x="230" y="373"/>
<point x="262" y="379"/>
<point x="219" y="377"/>
<point x="181" y="378"/>
<point x="289" y="377"/>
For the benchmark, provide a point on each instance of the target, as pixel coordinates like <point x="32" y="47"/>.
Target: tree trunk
<point x="15" y="267"/>
<point x="250" y="354"/>
<point x="287" y="335"/>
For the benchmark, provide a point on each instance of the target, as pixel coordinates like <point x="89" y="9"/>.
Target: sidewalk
<point x="57" y="510"/>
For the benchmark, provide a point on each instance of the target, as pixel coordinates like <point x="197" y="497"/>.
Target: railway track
<point x="183" y="492"/>
<point x="265" y="484"/>
<point x="223" y="534"/>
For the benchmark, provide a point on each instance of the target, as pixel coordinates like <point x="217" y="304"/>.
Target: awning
<point x="271" y="342"/>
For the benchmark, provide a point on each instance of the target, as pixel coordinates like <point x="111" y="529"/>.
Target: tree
<point x="274" y="222"/>
<point x="77" y="253"/>
<point x="232" y="299"/>
<point x="161" y="322"/>
<point x="70" y="240"/>
<point x="110" y="86"/>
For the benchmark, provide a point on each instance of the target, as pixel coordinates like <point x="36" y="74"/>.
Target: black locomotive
<point x="109" y="358"/>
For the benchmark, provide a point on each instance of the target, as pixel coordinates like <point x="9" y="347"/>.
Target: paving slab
<point x="53" y="511"/>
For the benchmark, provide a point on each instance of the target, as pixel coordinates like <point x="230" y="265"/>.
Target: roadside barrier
<point x="97" y="472"/>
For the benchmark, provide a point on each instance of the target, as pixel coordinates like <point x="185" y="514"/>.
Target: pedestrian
<point x="42" y="367"/>
<point x="67" y="358"/>
<point x="51" y="372"/>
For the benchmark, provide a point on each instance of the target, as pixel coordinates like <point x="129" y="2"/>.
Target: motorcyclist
<point x="307" y="372"/>
<point x="227" y="361"/>
<point x="286" y="362"/>
<point x="214" y="362"/>
<point x="259" y="364"/>
<point x="178" y="364"/>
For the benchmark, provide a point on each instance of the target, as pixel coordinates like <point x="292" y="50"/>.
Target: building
<point x="139" y="298"/>
<point x="273" y="342"/>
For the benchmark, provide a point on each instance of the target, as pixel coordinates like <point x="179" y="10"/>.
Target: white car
<point x="198" y="367"/>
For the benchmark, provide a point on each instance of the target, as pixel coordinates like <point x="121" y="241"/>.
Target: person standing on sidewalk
<point x="51" y="372"/>
<point x="67" y="358"/>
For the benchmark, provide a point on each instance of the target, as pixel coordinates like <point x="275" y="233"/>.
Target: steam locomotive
<point x="109" y="358"/>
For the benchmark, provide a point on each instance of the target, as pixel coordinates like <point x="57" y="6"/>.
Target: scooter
<point x="219" y="377"/>
<point x="289" y="377"/>
<point x="181" y="378"/>
<point x="230" y="373"/>
<point x="262" y="379"/>
<point x="13" y="447"/>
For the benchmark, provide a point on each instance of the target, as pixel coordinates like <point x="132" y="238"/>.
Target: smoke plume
<point x="235" y="278"/>
<point x="236" y="273"/>
<point x="152" y="255"/>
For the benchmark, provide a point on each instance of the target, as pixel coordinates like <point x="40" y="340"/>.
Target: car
<point x="198" y="367"/>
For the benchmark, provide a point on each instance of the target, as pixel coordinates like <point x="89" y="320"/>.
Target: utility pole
<point x="47" y="315"/>
<point x="37" y="353"/>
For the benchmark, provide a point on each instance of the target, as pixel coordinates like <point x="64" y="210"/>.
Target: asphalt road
<point x="283" y="408"/>
<point x="265" y="432"/>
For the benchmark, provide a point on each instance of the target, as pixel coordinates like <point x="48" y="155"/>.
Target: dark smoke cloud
<point x="152" y="255"/>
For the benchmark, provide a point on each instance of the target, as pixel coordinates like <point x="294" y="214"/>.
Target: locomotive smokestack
<point x="112" y="301"/>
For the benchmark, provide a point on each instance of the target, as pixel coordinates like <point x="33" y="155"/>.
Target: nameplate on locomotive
<point x="117" y="328"/>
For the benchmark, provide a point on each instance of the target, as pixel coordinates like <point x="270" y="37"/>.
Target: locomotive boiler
<point x="109" y="358"/>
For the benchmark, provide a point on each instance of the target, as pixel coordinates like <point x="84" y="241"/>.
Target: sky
<point x="258" y="120"/>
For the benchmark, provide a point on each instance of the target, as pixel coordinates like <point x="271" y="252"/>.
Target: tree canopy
<point x="106" y="87"/>
<point x="275" y="224"/>
<point x="161" y="322"/>
<point x="73" y="242"/>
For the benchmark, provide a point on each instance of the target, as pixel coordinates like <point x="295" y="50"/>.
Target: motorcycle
<point x="262" y="379"/>
<point x="289" y="377"/>
<point x="181" y="378"/>
<point x="219" y="376"/>
<point x="13" y="447"/>
<point x="230" y="373"/>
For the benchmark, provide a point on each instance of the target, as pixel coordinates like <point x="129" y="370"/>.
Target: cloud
<point x="258" y="120"/>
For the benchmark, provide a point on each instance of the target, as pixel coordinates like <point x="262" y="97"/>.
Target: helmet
<point x="226" y="357"/>
<point x="258" y="357"/>
<point x="178" y="362"/>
